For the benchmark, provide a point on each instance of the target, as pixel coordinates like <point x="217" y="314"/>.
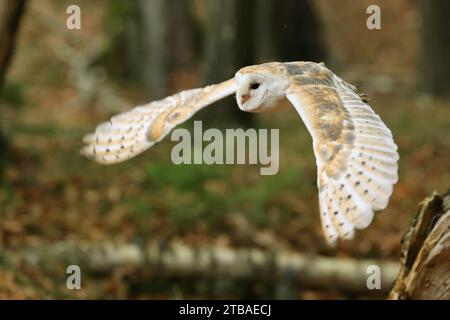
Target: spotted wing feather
<point x="130" y="133"/>
<point x="355" y="153"/>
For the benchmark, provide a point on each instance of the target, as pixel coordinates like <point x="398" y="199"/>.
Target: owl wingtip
<point x="332" y="242"/>
<point x="87" y="151"/>
<point x="88" y="138"/>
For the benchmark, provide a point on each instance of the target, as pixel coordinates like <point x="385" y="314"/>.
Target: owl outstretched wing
<point x="130" y="133"/>
<point x="355" y="153"/>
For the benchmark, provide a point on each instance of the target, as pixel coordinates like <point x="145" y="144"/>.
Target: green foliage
<point x="211" y="192"/>
<point x="3" y="155"/>
<point x="118" y="14"/>
<point x="260" y="195"/>
<point x="142" y="207"/>
<point x="183" y="189"/>
<point x="117" y="53"/>
<point x="12" y="93"/>
<point x="183" y="177"/>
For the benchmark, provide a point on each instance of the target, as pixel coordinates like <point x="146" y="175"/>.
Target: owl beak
<point x="244" y="98"/>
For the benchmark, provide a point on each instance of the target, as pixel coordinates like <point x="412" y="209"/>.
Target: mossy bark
<point x="425" y="271"/>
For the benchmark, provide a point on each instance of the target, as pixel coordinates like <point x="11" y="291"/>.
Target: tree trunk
<point x="181" y="53"/>
<point x="425" y="271"/>
<point x="435" y="45"/>
<point x="149" y="60"/>
<point x="228" y="46"/>
<point x="159" y="37"/>
<point x="10" y="14"/>
<point x="288" y="30"/>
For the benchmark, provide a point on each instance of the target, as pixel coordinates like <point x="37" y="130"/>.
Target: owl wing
<point x="130" y="133"/>
<point x="355" y="153"/>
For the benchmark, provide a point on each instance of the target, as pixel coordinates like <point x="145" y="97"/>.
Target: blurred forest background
<point x="57" y="84"/>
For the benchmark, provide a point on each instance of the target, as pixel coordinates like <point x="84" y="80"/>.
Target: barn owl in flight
<point x="355" y="153"/>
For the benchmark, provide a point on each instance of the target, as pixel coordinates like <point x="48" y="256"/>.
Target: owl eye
<point x="254" y="86"/>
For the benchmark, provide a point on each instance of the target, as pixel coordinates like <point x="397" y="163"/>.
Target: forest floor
<point x="53" y="194"/>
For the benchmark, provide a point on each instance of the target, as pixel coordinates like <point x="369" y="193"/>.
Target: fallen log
<point x="424" y="272"/>
<point x="311" y="272"/>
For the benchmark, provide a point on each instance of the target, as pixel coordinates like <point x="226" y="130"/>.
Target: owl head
<point x="259" y="89"/>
